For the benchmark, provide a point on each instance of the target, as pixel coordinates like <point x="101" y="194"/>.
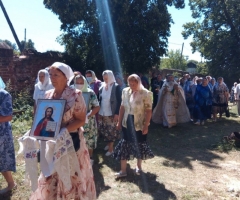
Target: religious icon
<point x="47" y="120"/>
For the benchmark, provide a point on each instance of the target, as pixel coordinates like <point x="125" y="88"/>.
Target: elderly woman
<point x="94" y="83"/>
<point x="82" y="183"/>
<point x="220" y="98"/>
<point x="90" y="127"/>
<point x="7" y="155"/>
<point x="43" y="84"/>
<point x="134" y="118"/>
<point x="203" y="102"/>
<point x="110" y="101"/>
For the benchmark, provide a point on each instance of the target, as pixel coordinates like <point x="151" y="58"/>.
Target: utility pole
<point x="25" y="32"/>
<point x="11" y="27"/>
<point x="182" y="50"/>
<point x="181" y="54"/>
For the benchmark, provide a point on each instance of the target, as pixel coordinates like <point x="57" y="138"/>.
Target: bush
<point x="22" y="102"/>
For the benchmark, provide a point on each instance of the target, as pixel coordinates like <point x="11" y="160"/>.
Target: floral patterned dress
<point x="220" y="102"/>
<point x="90" y="128"/>
<point x="7" y="155"/>
<point x="83" y="186"/>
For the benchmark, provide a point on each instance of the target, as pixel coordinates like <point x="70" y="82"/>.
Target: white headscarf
<point x="67" y="70"/>
<point x="140" y="86"/>
<point x="46" y="82"/>
<point x="111" y="78"/>
<point x="94" y="78"/>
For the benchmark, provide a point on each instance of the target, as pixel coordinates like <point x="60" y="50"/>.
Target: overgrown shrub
<point x="22" y="102"/>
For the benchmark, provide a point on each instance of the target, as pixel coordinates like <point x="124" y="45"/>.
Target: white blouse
<point x="40" y="94"/>
<point x="105" y="107"/>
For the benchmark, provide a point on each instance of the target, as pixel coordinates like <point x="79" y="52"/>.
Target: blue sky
<point x="43" y="27"/>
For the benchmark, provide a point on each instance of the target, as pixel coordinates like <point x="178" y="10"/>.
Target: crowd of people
<point x="118" y="111"/>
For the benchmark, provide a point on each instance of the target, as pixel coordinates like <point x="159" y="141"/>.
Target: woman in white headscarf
<point x="110" y="100"/>
<point x="94" y="83"/>
<point x="90" y="127"/>
<point x="74" y="180"/>
<point x="134" y="118"/>
<point x="43" y="84"/>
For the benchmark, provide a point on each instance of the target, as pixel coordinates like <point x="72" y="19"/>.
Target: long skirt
<point x="133" y="144"/>
<point x="202" y="112"/>
<point x="91" y="133"/>
<point x="107" y="127"/>
<point x="83" y="186"/>
<point x="7" y="153"/>
<point x="219" y="108"/>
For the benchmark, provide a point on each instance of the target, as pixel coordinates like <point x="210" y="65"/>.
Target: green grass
<point x="191" y="162"/>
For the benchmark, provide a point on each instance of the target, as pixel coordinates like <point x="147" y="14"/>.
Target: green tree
<point x="202" y="68"/>
<point x="28" y="45"/>
<point x="141" y="29"/>
<point x="216" y="35"/>
<point x="174" y="61"/>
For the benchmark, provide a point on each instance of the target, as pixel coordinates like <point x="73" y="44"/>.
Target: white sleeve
<point x="35" y="94"/>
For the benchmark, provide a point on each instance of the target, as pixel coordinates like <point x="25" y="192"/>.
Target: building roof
<point x="4" y="45"/>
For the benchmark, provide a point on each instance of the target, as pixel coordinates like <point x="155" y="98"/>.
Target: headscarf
<point x="94" y="78"/>
<point x="111" y="78"/>
<point x="140" y="86"/>
<point x="46" y="82"/>
<point x="67" y="70"/>
<point x="85" y="85"/>
<point x="2" y="84"/>
<point x="118" y="75"/>
<point x="187" y="86"/>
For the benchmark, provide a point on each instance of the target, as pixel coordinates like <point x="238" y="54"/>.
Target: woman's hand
<point x="118" y="126"/>
<point x="145" y="129"/>
<point x="115" y="119"/>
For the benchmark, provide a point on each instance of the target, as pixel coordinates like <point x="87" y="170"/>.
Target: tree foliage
<point x="174" y="61"/>
<point x="28" y="45"/>
<point x="141" y="29"/>
<point x="216" y="34"/>
<point x="202" y="68"/>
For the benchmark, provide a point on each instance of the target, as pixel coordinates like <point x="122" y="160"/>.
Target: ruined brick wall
<point x="22" y="70"/>
<point x="6" y="61"/>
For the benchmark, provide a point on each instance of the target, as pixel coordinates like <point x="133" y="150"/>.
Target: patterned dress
<point x="133" y="143"/>
<point x="220" y="102"/>
<point x="7" y="155"/>
<point x="83" y="186"/>
<point x="90" y="128"/>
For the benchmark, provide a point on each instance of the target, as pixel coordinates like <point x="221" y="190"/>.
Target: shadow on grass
<point x="186" y="143"/>
<point x="148" y="183"/>
<point x="178" y="147"/>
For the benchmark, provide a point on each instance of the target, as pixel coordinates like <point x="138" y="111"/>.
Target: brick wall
<point x="22" y="70"/>
<point x="6" y="62"/>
